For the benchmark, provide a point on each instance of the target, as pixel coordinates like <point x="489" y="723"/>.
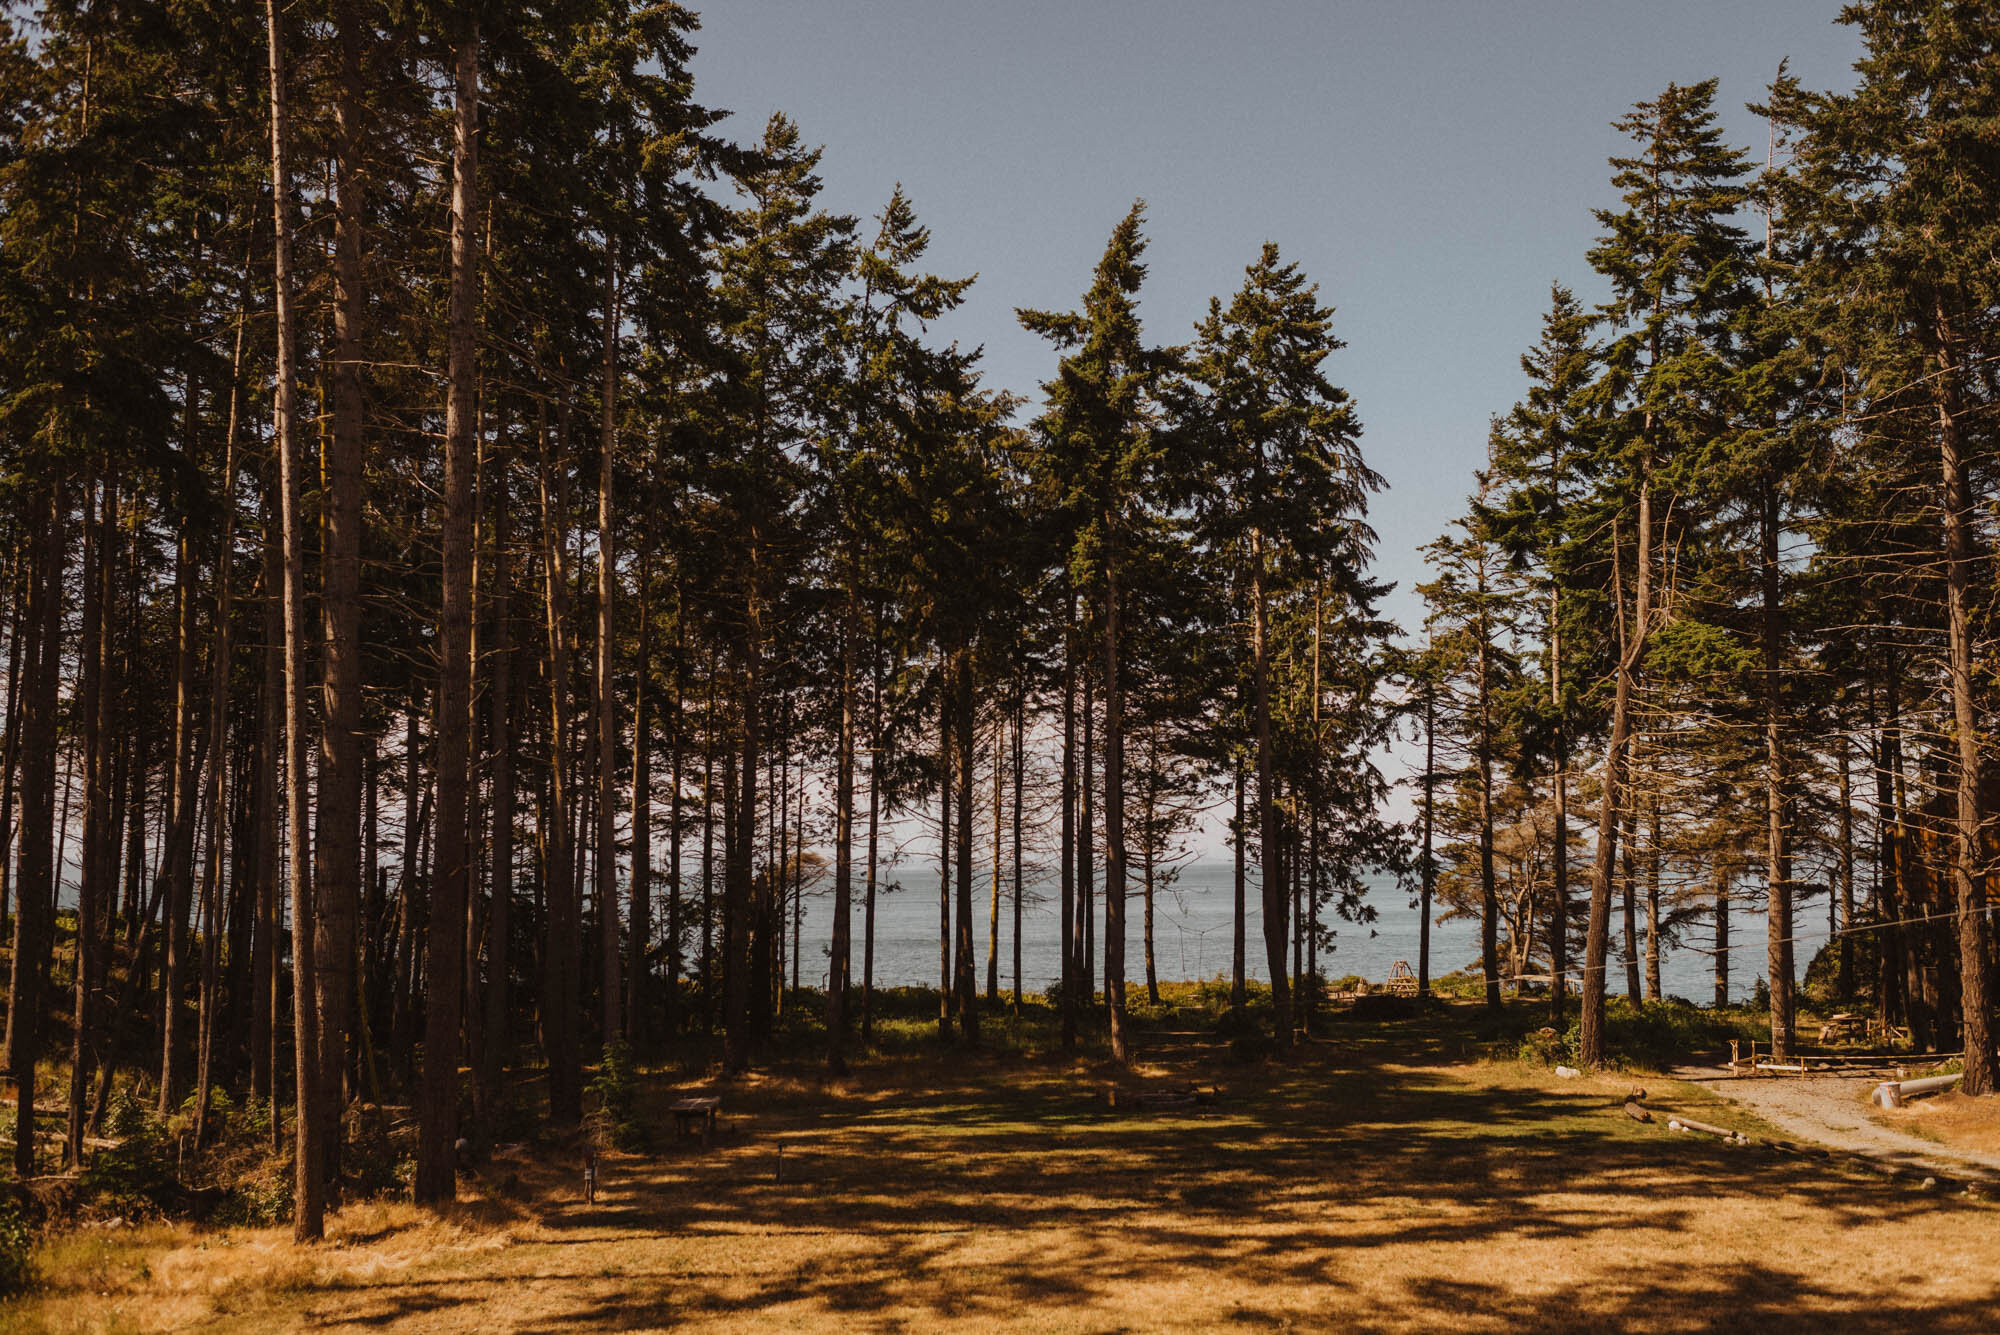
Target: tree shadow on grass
<point x="1351" y="1148"/>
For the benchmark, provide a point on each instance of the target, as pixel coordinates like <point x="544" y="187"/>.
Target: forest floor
<point x="1383" y="1180"/>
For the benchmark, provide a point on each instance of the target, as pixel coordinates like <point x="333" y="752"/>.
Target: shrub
<point x="1653" y="1035"/>
<point x="616" y="1085"/>
<point x="135" y="1177"/>
<point x="1545" y="1047"/>
<point x="16" y="1248"/>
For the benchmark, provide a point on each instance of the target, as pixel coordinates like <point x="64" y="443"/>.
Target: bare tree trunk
<point x="965" y="717"/>
<point x="677" y="741"/>
<point x="178" y="870"/>
<point x="1845" y="940"/>
<point x="1068" y="859"/>
<point x="603" y="726"/>
<point x="1240" y="838"/>
<point x="266" y="974"/>
<point x="1276" y="927"/>
<point x="100" y="835"/>
<point x="35" y="881"/>
<point x="993" y="906"/>
<point x="1020" y="721"/>
<point x="10" y="742"/>
<point x="1967" y="851"/>
<point x="1489" y="899"/>
<point x="1628" y="849"/>
<point x="1430" y="860"/>
<point x="437" y="1115"/>
<point x="878" y="744"/>
<point x="1598" y="942"/>
<point x="843" y="841"/>
<point x="1721" y="937"/>
<point x="309" y="1185"/>
<point x="947" y="694"/>
<point x="1653" y="902"/>
<point x="337" y="833"/>
<point x="639" y="970"/>
<point x="487" y="1088"/>
<point x="561" y="952"/>
<point x="1777" y="856"/>
<point x="220" y="671"/>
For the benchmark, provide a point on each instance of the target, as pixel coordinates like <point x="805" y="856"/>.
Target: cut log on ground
<point x="1892" y="1093"/>
<point x="1707" y="1128"/>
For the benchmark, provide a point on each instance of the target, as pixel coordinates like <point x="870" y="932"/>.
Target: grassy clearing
<point x="1392" y="1178"/>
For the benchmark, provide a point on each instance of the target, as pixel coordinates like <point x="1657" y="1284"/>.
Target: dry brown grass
<point x="1950" y="1119"/>
<point x="1367" y="1186"/>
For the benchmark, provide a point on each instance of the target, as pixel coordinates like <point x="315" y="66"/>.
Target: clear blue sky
<point x="1431" y="163"/>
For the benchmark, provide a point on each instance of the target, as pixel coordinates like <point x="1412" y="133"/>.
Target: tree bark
<point x="308" y="1192"/>
<point x="1631" y="646"/>
<point x="1269" y="834"/>
<point x="436" y="1180"/>
<point x="603" y="726"/>
<point x="1967" y="853"/>
<point x="1777" y="855"/>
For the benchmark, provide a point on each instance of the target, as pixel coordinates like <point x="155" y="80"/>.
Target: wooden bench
<point x="695" y="1116"/>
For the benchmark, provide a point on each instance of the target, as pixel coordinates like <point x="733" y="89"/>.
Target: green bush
<point x="616" y="1085"/>
<point x="1652" y="1035"/>
<point x="257" y="1203"/>
<point x="1545" y="1047"/>
<point x="17" y="1267"/>
<point x="135" y="1177"/>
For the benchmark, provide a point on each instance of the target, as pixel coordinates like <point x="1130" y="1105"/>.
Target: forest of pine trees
<point x="481" y="537"/>
<point x="1716" y="625"/>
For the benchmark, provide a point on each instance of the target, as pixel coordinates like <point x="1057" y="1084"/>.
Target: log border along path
<point x="1834" y="1111"/>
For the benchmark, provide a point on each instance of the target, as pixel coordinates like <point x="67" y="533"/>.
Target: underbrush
<point x="1649" y="1036"/>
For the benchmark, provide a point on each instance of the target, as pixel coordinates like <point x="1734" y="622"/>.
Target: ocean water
<point x="1192" y="936"/>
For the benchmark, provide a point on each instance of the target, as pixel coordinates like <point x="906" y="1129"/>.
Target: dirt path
<point x="1833" y="1111"/>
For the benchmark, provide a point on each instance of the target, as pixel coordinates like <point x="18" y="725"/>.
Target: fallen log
<point x="1679" y="1123"/>
<point x="1891" y="1093"/>
<point x="1637" y="1111"/>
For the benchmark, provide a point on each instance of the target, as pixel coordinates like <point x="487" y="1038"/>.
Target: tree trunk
<point x="562" y="951"/>
<point x="993" y="905"/>
<point x="603" y="727"/>
<point x="1429" y="884"/>
<point x="1967" y="850"/>
<point x="337" y="833"/>
<point x="99" y="833"/>
<point x="436" y="1181"/>
<point x="1777" y="857"/>
<point x="965" y="717"/>
<point x="639" y="969"/>
<point x="947" y="696"/>
<point x="1269" y="834"/>
<point x="1489" y="899"/>
<point x="1240" y="837"/>
<point x="878" y="744"/>
<point x="1628" y="844"/>
<point x="1653" y="903"/>
<point x="488" y="1091"/>
<point x="1067" y="859"/>
<point x="843" y="839"/>
<point x="308" y="1191"/>
<point x="1020" y="721"/>
<point x="35" y="879"/>
<point x="1721" y="937"/>
<point x="1598" y="942"/>
<point x="178" y="869"/>
<point x="1844" y="942"/>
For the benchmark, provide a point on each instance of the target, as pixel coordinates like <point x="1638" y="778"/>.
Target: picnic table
<point x="695" y="1116"/>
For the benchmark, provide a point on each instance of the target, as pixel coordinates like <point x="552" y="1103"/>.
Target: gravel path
<point x="1833" y="1110"/>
